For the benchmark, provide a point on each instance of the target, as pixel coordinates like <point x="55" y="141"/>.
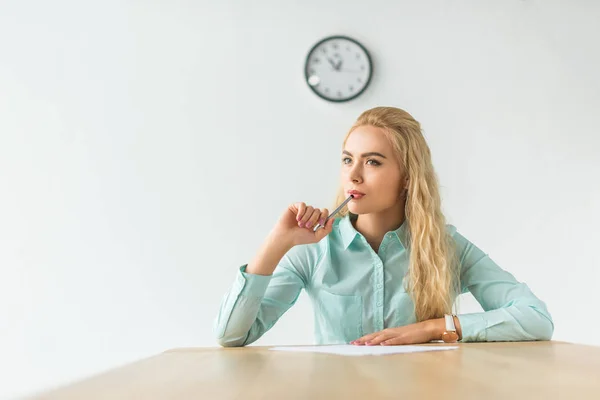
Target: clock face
<point x="338" y="68"/>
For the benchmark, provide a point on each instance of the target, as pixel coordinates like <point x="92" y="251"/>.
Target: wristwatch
<point x="450" y="335"/>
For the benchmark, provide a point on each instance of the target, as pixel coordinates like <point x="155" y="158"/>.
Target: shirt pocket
<point x="339" y="317"/>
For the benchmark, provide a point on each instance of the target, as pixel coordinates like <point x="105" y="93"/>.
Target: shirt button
<point x="379" y="286"/>
<point x="378" y="304"/>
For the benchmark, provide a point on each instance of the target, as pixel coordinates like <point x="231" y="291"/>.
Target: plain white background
<point x="147" y="147"/>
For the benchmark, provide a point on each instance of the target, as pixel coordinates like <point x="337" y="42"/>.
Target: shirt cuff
<point x="473" y="327"/>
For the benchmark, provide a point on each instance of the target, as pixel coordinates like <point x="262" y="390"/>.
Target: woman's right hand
<point x="296" y="224"/>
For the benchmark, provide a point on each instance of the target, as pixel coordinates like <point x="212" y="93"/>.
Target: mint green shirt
<point x="356" y="291"/>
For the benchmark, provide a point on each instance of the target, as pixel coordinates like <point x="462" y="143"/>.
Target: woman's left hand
<point x="421" y="332"/>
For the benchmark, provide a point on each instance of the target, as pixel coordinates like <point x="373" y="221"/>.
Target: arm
<point x="512" y="311"/>
<point x="262" y="292"/>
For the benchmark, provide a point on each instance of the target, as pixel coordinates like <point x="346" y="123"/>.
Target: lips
<point x="356" y="194"/>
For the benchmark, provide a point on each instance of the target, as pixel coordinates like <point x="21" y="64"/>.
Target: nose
<point x="355" y="174"/>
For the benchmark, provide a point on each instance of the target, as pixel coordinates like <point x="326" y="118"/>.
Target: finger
<point x="395" y="341"/>
<point x="307" y="214"/>
<point x="312" y="221"/>
<point x="366" y="338"/>
<point x="324" y="231"/>
<point x="362" y="340"/>
<point x="301" y="209"/>
<point x="358" y="341"/>
<point x="324" y="223"/>
<point x="329" y="225"/>
<point x="323" y="217"/>
<point x="378" y="339"/>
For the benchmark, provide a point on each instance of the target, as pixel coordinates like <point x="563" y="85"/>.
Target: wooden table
<point x="517" y="370"/>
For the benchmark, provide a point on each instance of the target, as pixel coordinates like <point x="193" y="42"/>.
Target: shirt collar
<point x="349" y="233"/>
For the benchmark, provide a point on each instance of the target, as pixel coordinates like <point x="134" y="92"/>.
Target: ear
<point x="404" y="192"/>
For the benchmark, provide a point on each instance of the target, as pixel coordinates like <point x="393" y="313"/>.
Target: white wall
<point x="146" y="148"/>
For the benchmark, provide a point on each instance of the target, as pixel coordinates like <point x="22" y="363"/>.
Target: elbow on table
<point x="542" y="327"/>
<point x="544" y="331"/>
<point x="233" y="340"/>
<point x="229" y="342"/>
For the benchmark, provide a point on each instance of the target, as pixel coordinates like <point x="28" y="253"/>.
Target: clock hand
<point x="332" y="64"/>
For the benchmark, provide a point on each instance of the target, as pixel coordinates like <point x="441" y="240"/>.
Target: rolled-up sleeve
<point x="511" y="311"/>
<point x="255" y="302"/>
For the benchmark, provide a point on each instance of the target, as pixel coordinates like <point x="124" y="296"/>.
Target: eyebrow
<point x="363" y="155"/>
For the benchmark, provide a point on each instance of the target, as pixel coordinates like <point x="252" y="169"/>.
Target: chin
<point x="358" y="210"/>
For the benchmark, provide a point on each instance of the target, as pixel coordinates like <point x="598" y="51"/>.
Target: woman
<point x="389" y="270"/>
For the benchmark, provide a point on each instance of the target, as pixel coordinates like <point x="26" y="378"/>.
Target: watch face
<point x="338" y="69"/>
<point x="450" y="337"/>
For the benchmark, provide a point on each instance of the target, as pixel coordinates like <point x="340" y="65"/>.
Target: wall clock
<point x="338" y="68"/>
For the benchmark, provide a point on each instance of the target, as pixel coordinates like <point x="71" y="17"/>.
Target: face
<point x="371" y="172"/>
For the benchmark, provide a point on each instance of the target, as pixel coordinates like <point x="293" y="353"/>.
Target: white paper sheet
<point x="352" y="350"/>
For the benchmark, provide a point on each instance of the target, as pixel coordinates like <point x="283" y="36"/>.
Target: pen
<point x="337" y="210"/>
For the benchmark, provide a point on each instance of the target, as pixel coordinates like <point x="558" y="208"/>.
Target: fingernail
<point x="308" y="224"/>
<point x="322" y="221"/>
<point x="300" y="224"/>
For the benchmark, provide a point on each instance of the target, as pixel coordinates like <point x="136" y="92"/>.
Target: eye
<point x="346" y="160"/>
<point x="373" y="162"/>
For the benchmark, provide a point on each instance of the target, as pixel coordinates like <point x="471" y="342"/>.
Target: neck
<point x="374" y="226"/>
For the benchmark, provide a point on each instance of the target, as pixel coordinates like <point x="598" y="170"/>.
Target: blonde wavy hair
<point x="433" y="278"/>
